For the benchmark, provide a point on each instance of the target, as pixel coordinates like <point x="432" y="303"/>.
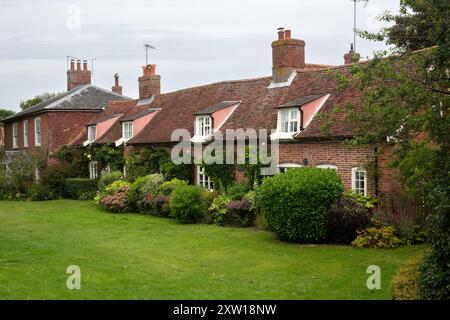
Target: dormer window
<point x="203" y="126"/>
<point x="127" y="130"/>
<point x="289" y="119"/>
<point x="92" y="133"/>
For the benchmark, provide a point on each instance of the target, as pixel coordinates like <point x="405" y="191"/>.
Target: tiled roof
<point x="257" y="108"/>
<point x="86" y="97"/>
<point x="137" y="115"/>
<point x="113" y="109"/>
<point x="217" y="107"/>
<point x="301" y="101"/>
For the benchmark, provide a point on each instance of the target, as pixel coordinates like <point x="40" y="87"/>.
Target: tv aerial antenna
<point x="147" y="46"/>
<point x="354" y="19"/>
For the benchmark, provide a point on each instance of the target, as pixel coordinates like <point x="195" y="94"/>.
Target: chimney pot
<point x="72" y="65"/>
<point x="85" y="67"/>
<point x="78" y="65"/>
<point x="280" y="33"/>
<point x="287" y="34"/>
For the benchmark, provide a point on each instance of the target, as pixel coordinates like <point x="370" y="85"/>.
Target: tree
<point x="4" y="113"/>
<point x="25" y="104"/>
<point x="406" y="96"/>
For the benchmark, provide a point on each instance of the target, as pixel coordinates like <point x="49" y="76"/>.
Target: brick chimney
<point x="288" y="54"/>
<point x="78" y="77"/>
<point x="149" y="83"/>
<point x="351" y="56"/>
<point x="116" y="88"/>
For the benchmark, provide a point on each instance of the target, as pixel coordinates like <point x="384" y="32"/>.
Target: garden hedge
<point x="295" y="203"/>
<point x="74" y="188"/>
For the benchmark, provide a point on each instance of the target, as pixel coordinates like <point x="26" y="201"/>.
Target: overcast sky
<point x="197" y="41"/>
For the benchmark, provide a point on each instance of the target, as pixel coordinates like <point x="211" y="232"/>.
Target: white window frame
<point x="327" y="166"/>
<point x="92" y="133"/>
<point x="203" y="126"/>
<point x="203" y="180"/>
<point x="25" y="133"/>
<point x="15" y="129"/>
<point x="127" y="127"/>
<point x="37" y="133"/>
<point x="288" y="124"/>
<point x="355" y="187"/>
<point x="282" y="168"/>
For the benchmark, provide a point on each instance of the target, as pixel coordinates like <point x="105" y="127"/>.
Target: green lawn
<point x="142" y="257"/>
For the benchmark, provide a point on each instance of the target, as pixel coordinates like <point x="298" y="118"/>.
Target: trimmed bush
<point x="240" y="213"/>
<point x="375" y="237"/>
<point x="108" y="178"/>
<point x="344" y="218"/>
<point x="406" y="283"/>
<point x="167" y="187"/>
<point x="74" y="188"/>
<point x="295" y="203"/>
<point x="187" y="204"/>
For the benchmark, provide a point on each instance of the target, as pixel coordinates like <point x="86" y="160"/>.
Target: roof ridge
<point x="218" y="83"/>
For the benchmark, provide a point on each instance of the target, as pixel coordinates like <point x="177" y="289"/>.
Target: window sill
<point x="283" y="135"/>
<point x="201" y="139"/>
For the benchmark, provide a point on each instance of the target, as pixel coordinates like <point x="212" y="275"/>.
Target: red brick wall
<point x="57" y="129"/>
<point x="333" y="153"/>
<point x="343" y="157"/>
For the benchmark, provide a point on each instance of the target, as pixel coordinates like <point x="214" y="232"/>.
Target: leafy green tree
<point x="4" y="113"/>
<point x="25" y="104"/>
<point x="406" y="97"/>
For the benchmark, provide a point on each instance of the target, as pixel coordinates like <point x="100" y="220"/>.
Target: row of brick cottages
<point x="289" y="101"/>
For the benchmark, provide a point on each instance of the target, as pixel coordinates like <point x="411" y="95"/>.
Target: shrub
<point x="217" y="210"/>
<point x="237" y="191"/>
<point x="240" y="213"/>
<point x="41" y="192"/>
<point x="406" y="283"/>
<point x="108" y="178"/>
<point x="144" y="162"/>
<point x="344" y="218"/>
<point x="111" y="189"/>
<point x="75" y="187"/>
<point x="117" y="201"/>
<point x="377" y="237"/>
<point x="54" y="177"/>
<point x="152" y="185"/>
<point x="90" y="195"/>
<point x="294" y="203"/>
<point x="367" y="202"/>
<point x="252" y="198"/>
<point x="167" y="187"/>
<point x="187" y="204"/>
<point x="157" y="205"/>
<point x="135" y="193"/>
<point x="20" y="177"/>
<point x="171" y="170"/>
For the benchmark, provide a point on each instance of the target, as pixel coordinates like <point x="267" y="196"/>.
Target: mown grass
<point x="141" y="257"/>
